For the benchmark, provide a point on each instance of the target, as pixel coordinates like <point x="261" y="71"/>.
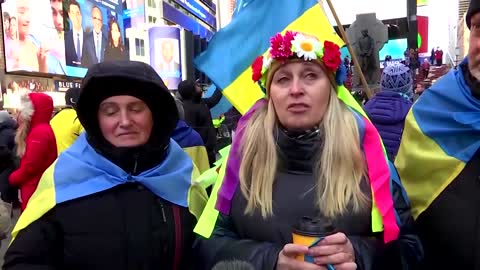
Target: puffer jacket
<point x="40" y="145"/>
<point x="387" y="110"/>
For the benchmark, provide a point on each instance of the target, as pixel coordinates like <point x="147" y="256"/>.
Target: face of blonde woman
<point x="300" y="92"/>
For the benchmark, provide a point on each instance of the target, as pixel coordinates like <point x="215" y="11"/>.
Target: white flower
<point x="306" y="47"/>
<point x="267" y="62"/>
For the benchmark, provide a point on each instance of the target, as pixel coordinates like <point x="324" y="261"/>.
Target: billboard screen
<point x="165" y="54"/>
<point x="60" y="36"/>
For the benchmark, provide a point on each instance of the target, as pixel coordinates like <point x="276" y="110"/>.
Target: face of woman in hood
<point x="125" y="121"/>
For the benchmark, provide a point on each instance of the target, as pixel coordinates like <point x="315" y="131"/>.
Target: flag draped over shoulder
<point x="232" y="50"/>
<point x="80" y="171"/>
<point x="441" y="135"/>
<point x="191" y="142"/>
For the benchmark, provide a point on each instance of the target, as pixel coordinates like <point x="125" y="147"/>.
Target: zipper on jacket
<point x="164" y="217"/>
<point x="178" y="237"/>
<point x="135" y="165"/>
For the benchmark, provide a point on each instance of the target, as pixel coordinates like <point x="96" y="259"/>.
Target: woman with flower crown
<point x="307" y="149"/>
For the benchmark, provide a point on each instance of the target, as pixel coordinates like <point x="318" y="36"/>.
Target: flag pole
<point x="350" y="49"/>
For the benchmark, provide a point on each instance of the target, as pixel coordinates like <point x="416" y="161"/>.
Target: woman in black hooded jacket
<point x="121" y="190"/>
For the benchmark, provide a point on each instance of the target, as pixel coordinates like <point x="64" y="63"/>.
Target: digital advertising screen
<point x="133" y="13"/>
<point x="60" y="36"/>
<point x="165" y="54"/>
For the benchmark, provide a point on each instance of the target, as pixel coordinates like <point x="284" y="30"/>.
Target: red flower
<point x="331" y="56"/>
<point x="257" y="69"/>
<point x="281" y="46"/>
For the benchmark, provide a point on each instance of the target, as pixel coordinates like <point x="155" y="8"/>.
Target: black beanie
<point x="115" y="78"/>
<point x="71" y="96"/>
<point x="473" y="9"/>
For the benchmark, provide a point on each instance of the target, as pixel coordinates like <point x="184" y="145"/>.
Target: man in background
<point x="75" y="37"/>
<point x="95" y="41"/>
<point x="65" y="124"/>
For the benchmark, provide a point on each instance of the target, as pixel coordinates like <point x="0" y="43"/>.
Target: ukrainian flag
<point x="191" y="142"/>
<point x="171" y="180"/>
<point x="441" y="134"/>
<point x="232" y="50"/>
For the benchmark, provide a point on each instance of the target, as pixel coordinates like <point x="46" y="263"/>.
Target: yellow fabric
<point x="40" y="203"/>
<point x="206" y="222"/>
<point x="66" y="128"/>
<point x="199" y="156"/>
<point x="423" y="180"/>
<point x="243" y="92"/>
<point x="197" y="195"/>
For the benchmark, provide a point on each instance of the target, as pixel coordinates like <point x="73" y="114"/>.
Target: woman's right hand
<point x="286" y="259"/>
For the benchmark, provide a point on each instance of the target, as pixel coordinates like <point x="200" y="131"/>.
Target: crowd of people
<point x="313" y="179"/>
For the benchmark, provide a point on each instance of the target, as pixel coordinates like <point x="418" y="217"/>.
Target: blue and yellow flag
<point x="232" y="50"/>
<point x="80" y="171"/>
<point x="442" y="134"/>
<point x="191" y="142"/>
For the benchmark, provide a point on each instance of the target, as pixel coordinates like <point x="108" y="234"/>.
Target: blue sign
<point x="196" y="9"/>
<point x="210" y="5"/>
<point x="178" y="17"/>
<point x="64" y="85"/>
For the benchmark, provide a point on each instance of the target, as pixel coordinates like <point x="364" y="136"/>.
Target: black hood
<point x="187" y="90"/>
<point x="473" y="9"/>
<point x="8" y="124"/>
<point x="136" y="79"/>
<point x="71" y="97"/>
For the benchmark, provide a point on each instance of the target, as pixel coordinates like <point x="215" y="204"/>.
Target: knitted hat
<point x="473" y="9"/>
<point x="397" y="78"/>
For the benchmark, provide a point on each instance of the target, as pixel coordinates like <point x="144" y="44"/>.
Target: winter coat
<point x="387" y="110"/>
<point x="66" y="127"/>
<point x="40" y="146"/>
<point x="257" y="240"/>
<point x="197" y="116"/>
<point x="8" y="159"/>
<point x="448" y="224"/>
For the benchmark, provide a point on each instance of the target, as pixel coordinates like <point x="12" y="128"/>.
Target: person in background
<point x="95" y="41"/>
<point x="36" y="145"/>
<point x="115" y="49"/>
<point x="190" y="141"/>
<point x="124" y="195"/>
<point x="197" y="113"/>
<point x="9" y="161"/>
<point x="425" y="68"/>
<point x="298" y="153"/>
<point x="439" y="56"/>
<point x="65" y="123"/>
<point x="432" y="57"/>
<point x="389" y="107"/>
<point x="75" y="36"/>
<point x="6" y="24"/>
<point x="439" y="161"/>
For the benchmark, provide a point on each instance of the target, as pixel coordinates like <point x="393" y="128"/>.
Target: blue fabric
<point x="80" y="171"/>
<point x="222" y="107"/>
<point x="450" y="115"/>
<point x="231" y="48"/>
<point x="186" y="136"/>
<point x="387" y="110"/>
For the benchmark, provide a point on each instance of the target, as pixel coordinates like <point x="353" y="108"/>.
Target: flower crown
<point x="302" y="46"/>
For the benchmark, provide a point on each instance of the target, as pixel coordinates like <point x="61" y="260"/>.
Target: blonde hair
<point x="339" y="170"/>
<point x="24" y="117"/>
